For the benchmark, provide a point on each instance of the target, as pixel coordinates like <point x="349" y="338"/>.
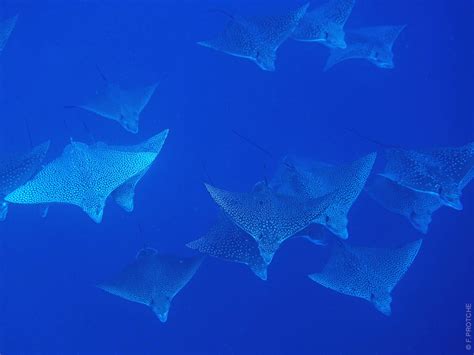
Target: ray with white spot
<point x="416" y="206"/>
<point x="122" y="105"/>
<point x="268" y="217"/>
<point x="374" y="44"/>
<point x="443" y="172"/>
<point x="307" y="179"/>
<point x="83" y="176"/>
<point x="256" y="38"/>
<point x="153" y="280"/>
<point x="325" y="24"/>
<point x="367" y="273"/>
<point x="16" y="170"/>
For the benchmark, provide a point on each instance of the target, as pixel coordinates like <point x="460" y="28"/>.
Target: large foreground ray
<point x="256" y="38"/>
<point x="268" y="217"/>
<point x="153" y="280"/>
<point x="124" y="194"/>
<point x="16" y="170"/>
<point x="367" y="273"/>
<point x="227" y="241"/>
<point x="325" y="24"/>
<point x="121" y="105"/>
<point x="374" y="44"/>
<point x="310" y="179"/>
<point x="83" y="176"/>
<point x="416" y="206"/>
<point x="441" y="171"/>
<point x="6" y="29"/>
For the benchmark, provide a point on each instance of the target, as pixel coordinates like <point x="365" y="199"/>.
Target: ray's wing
<point x="106" y="103"/>
<point x="137" y="99"/>
<point x="276" y="29"/>
<point x="238" y="39"/>
<point x="338" y="11"/>
<point x="354" y="50"/>
<point x="381" y="35"/>
<point x="227" y="241"/>
<point x="17" y="170"/>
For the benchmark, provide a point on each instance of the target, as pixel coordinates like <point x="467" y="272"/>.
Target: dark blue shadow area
<point x="49" y="267"/>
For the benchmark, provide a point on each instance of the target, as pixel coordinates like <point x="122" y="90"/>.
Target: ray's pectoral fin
<point x="420" y="221"/>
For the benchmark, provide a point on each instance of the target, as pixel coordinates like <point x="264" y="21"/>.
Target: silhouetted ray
<point x="416" y="206"/>
<point x="368" y="273"/>
<point x="309" y="179"/>
<point x="256" y="38"/>
<point x="16" y="170"/>
<point x="121" y="105"/>
<point x="440" y="171"/>
<point x="268" y="217"/>
<point x="83" y="176"/>
<point x="372" y="43"/>
<point x="6" y="28"/>
<point x="153" y="280"/>
<point x="125" y="193"/>
<point x="227" y="241"/>
<point x="325" y="24"/>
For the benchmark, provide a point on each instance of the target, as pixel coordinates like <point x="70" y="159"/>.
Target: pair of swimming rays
<point x="307" y="199"/>
<point x="416" y="183"/>
<point x="259" y="38"/>
<point x="84" y="175"/>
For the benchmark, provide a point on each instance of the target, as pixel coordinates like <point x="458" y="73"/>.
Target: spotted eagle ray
<point x="122" y="105"/>
<point x="325" y="24"/>
<point x="225" y="240"/>
<point x="153" y="280"/>
<point x="268" y="217"/>
<point x="374" y="44"/>
<point x="368" y="273"/>
<point x="16" y="170"/>
<point x="416" y="206"/>
<point x="125" y="193"/>
<point x="256" y="38"/>
<point x="310" y="179"/>
<point x="83" y="176"/>
<point x="6" y="29"/>
<point x="443" y="172"/>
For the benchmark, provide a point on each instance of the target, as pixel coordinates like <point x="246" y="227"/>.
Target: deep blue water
<point x="49" y="267"/>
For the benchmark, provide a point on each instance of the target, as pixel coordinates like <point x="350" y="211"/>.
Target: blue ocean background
<point x="49" y="267"/>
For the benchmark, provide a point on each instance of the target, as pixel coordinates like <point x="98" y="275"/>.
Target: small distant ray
<point x="367" y="273"/>
<point x="6" y="29"/>
<point x="124" y="194"/>
<point x="83" y="176"/>
<point x="153" y="280"/>
<point x="227" y="241"/>
<point x="268" y="217"/>
<point x="440" y="171"/>
<point x="122" y="105"/>
<point x="16" y="170"/>
<point x="416" y="206"/>
<point x="256" y="38"/>
<point x="325" y="24"/>
<point x="372" y="43"/>
<point x="308" y="179"/>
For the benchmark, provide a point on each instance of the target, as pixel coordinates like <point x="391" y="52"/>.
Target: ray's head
<point x="129" y="119"/>
<point x="266" y="60"/>
<point x="161" y="307"/>
<point x="382" y="58"/>
<point x="334" y="37"/>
